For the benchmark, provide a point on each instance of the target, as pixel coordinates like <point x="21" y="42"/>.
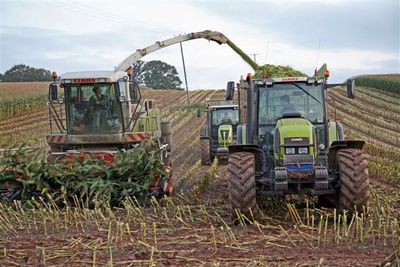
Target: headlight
<point x="303" y="150"/>
<point x="311" y="80"/>
<point x="321" y="146"/>
<point x="290" y="150"/>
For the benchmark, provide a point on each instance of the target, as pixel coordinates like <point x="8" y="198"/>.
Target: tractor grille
<point x="224" y="133"/>
<point x="294" y="159"/>
<point x="296" y="141"/>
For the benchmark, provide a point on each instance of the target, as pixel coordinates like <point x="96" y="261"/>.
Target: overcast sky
<point x="352" y="36"/>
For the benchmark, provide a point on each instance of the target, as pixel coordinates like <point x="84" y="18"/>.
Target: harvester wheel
<point x="11" y="190"/>
<point x="354" y="180"/>
<point x="168" y="183"/>
<point x="205" y="151"/>
<point x="242" y="184"/>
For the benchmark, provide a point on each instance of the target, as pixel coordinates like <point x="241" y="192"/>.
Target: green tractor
<point x="220" y="129"/>
<point x="286" y="145"/>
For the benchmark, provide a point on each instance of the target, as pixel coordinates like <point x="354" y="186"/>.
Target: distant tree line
<point x="24" y="73"/>
<point x="154" y="74"/>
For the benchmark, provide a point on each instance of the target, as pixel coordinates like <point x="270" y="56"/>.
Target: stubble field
<point x="193" y="227"/>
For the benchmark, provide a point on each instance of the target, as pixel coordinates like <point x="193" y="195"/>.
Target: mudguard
<point x="206" y="137"/>
<point x="241" y="136"/>
<point x="336" y="132"/>
<point x="204" y="131"/>
<point x="337" y="145"/>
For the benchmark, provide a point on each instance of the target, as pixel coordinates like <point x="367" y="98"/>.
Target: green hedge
<point x="384" y="84"/>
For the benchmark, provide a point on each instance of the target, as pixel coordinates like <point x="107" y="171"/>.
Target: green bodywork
<point x="321" y="72"/>
<point x="334" y="132"/>
<point x="225" y="135"/>
<point x="148" y="122"/>
<point x="244" y="134"/>
<point x="292" y="128"/>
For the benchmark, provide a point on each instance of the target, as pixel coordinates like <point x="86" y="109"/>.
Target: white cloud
<point x="104" y="33"/>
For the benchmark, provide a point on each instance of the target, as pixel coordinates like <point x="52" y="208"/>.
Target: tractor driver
<point x="99" y="107"/>
<point x="287" y="107"/>
<point x="226" y="119"/>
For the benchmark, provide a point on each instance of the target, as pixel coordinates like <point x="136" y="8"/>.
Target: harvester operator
<point x="99" y="107"/>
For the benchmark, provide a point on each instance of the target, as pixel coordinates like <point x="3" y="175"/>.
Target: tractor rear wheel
<point x="204" y="150"/>
<point x="242" y="183"/>
<point x="354" y="180"/>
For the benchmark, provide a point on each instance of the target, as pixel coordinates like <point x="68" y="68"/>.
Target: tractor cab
<point x="291" y="117"/>
<point x="224" y="120"/>
<point x="220" y="129"/>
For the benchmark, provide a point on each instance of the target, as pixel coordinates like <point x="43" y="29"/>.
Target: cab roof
<point x="92" y="76"/>
<point x="290" y="80"/>
<point x="224" y="106"/>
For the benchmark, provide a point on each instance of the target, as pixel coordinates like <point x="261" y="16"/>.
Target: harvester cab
<point x="99" y="113"/>
<point x="287" y="145"/>
<point x="220" y="129"/>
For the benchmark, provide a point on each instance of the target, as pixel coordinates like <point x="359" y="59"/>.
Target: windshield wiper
<point x="302" y="89"/>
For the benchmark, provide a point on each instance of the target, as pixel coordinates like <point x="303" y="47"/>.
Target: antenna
<point x="319" y="48"/>
<point x="334" y="105"/>
<point x="184" y="73"/>
<point x="266" y="53"/>
<point x="254" y="56"/>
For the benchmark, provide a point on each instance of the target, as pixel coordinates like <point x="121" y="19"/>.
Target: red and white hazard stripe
<point x="134" y="136"/>
<point x="55" y="139"/>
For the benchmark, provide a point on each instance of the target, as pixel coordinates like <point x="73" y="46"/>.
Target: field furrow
<point x="361" y="107"/>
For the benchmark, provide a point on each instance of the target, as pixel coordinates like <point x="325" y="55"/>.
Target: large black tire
<point x="204" y="149"/>
<point x="354" y="180"/>
<point x="242" y="183"/>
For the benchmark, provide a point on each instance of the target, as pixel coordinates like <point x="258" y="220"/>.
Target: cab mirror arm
<point x="350" y="87"/>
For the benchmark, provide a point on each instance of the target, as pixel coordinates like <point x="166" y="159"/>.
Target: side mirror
<point x="351" y="83"/>
<point x="134" y="92"/>
<point x="53" y="91"/>
<point x="230" y="90"/>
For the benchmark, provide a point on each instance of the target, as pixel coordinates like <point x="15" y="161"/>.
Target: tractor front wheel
<point x="242" y="183"/>
<point x="204" y="150"/>
<point x="354" y="180"/>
